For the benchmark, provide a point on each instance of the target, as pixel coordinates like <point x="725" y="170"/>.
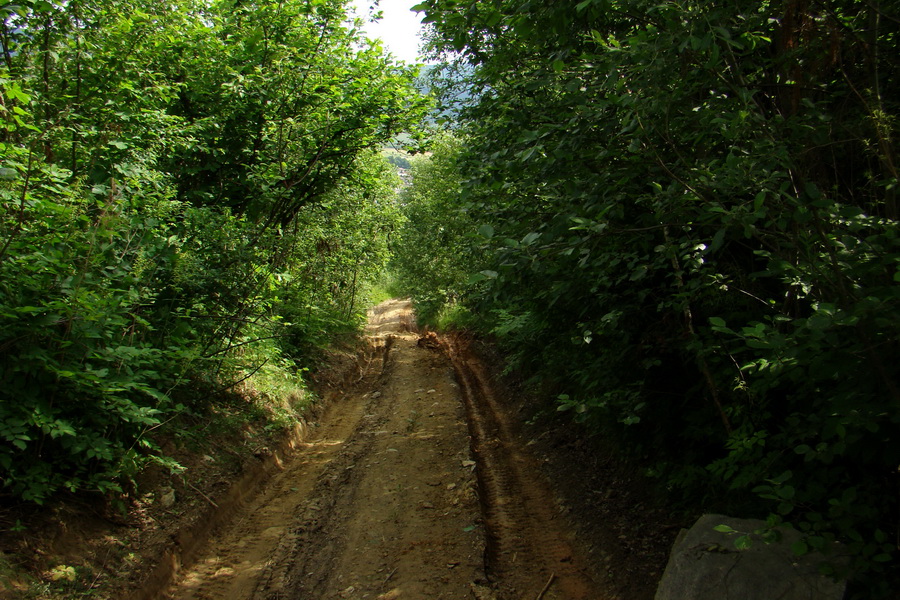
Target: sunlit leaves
<point x="182" y="185"/>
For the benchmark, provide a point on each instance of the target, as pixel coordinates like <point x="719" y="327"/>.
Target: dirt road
<point x="409" y="487"/>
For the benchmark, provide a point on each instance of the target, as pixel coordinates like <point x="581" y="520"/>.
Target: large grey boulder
<point x="706" y="565"/>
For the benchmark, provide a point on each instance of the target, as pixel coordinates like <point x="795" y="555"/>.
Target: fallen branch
<point x="546" y="587"/>
<point x="207" y="498"/>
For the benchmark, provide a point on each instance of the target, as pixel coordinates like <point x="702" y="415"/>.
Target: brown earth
<point x="381" y="502"/>
<point x="422" y="478"/>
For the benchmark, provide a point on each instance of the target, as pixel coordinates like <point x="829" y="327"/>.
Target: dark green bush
<point x="693" y="220"/>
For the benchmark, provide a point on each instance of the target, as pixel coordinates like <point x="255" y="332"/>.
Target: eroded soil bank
<point x="411" y="485"/>
<point x="421" y="479"/>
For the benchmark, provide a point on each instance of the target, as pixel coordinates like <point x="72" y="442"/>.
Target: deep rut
<point x="528" y="543"/>
<point x="411" y="487"/>
<point x="241" y="555"/>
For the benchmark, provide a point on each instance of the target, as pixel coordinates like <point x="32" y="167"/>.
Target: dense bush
<point x="432" y="256"/>
<point x="692" y="217"/>
<point x="189" y="200"/>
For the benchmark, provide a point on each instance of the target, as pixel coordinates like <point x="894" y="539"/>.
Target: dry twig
<point x="207" y="498"/>
<point x="546" y="587"/>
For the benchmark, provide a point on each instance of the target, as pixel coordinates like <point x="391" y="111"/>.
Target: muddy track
<point x="411" y="486"/>
<point x="527" y="543"/>
<point x="240" y="555"/>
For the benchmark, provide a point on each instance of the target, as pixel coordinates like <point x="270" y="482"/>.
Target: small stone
<point x="376" y="394"/>
<point x="167" y="497"/>
<point x="468" y="463"/>
<point x="431" y="391"/>
<point x="482" y="592"/>
<point x="451" y="486"/>
<point x="394" y="594"/>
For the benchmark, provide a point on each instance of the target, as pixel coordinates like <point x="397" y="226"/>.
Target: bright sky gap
<point x="399" y="29"/>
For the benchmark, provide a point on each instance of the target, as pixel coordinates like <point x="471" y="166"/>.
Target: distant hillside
<point x="451" y="85"/>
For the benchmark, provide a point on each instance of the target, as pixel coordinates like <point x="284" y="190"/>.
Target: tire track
<point x="382" y="501"/>
<point x="241" y="556"/>
<point x="395" y="515"/>
<point x="303" y="563"/>
<point x="527" y="547"/>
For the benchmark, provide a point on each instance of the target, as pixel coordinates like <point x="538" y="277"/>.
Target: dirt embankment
<point x="410" y="486"/>
<point x="414" y="483"/>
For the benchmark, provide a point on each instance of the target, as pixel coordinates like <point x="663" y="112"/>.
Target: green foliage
<point x="398" y="159"/>
<point x="386" y="285"/>
<point x="432" y="256"/>
<point x="689" y="216"/>
<point x="190" y="200"/>
<point x="343" y="245"/>
<point x="453" y="316"/>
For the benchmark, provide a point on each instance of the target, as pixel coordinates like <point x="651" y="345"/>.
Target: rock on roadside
<point x="705" y="565"/>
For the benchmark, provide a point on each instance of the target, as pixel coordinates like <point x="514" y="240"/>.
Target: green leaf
<point x="799" y="548"/>
<point x="530" y="238"/>
<point x="717" y="240"/>
<point x="785" y="508"/>
<point x="759" y="200"/>
<point x="743" y="542"/>
<point x="787" y="492"/>
<point x="812" y="190"/>
<point x="724" y="528"/>
<point x="782" y="478"/>
<point x="486" y="231"/>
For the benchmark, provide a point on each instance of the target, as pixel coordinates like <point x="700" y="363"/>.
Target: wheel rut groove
<point x="527" y="543"/>
<point x="412" y="485"/>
